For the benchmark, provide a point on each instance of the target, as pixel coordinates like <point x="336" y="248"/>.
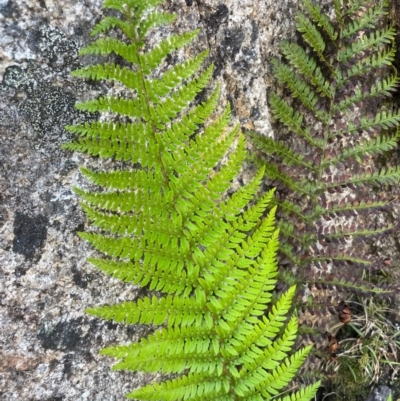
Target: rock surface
<point x="48" y="346"/>
<point x="380" y="393"/>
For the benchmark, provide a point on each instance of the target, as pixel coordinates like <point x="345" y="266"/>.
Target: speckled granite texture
<point x="48" y="346"/>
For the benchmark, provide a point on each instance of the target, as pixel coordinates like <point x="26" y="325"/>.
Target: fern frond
<point x="372" y="147"/>
<point x="154" y="19"/>
<point x="383" y="88"/>
<point x="383" y="120"/>
<point x="342" y="259"/>
<point x="307" y="66"/>
<point x="300" y="89"/>
<point x="105" y="46"/>
<point x="269" y="384"/>
<point x="128" y="201"/>
<point x="134" y="79"/>
<point x="353" y="207"/>
<point x="253" y="285"/>
<point x="300" y="188"/>
<point x="354" y="7"/>
<point x="265" y="330"/>
<point x="153" y="59"/>
<point x="138" y="108"/>
<point x="320" y="18"/>
<point x="168" y="341"/>
<point x="130" y="141"/>
<point x="138" y="6"/>
<point x="124" y="179"/>
<point x="155" y="279"/>
<point x="376" y="60"/>
<point x="293" y="208"/>
<point x="109" y="23"/>
<point x="311" y="35"/>
<point x="367" y="20"/>
<point x="355" y="286"/>
<point x="389" y="175"/>
<point x="305" y="394"/>
<point x="337" y="5"/>
<point x="177" y="311"/>
<point x="183" y="388"/>
<point x="289" y="157"/>
<point x="334" y="83"/>
<point x="371" y="41"/>
<point x="292" y="119"/>
<point x="115" y="4"/>
<point x="269" y="357"/>
<point x="165" y="221"/>
<point x="111" y="72"/>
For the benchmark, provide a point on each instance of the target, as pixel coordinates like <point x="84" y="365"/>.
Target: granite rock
<point x="48" y="346"/>
<point x="380" y="393"/>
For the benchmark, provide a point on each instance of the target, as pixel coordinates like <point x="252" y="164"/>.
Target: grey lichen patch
<point x="228" y="49"/>
<point x="14" y="77"/>
<point x="48" y="108"/>
<point x="64" y="336"/>
<point x="53" y="44"/>
<point x="214" y="17"/>
<point x="44" y="94"/>
<point x="81" y="279"/>
<point x="6" y="8"/>
<point x="30" y="233"/>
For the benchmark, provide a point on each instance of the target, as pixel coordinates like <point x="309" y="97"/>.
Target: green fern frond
<point x="177" y="311"/>
<point x="307" y="66"/>
<point x="373" y="147"/>
<point x="337" y="5"/>
<point x="270" y="384"/>
<point x="367" y="20"/>
<point x="156" y="280"/>
<point x="166" y="222"/>
<point x="303" y="395"/>
<point x="289" y="156"/>
<point x="183" y="388"/>
<point x="377" y="59"/>
<point x="124" y="179"/>
<point x="320" y="18"/>
<point x="390" y="175"/>
<point x="105" y="46"/>
<point x="311" y="35"/>
<point x="383" y="120"/>
<point x="154" y="19"/>
<point x="109" y="23"/>
<point x="370" y="41"/>
<point x="133" y="80"/>
<point x="292" y="119"/>
<point x="161" y="113"/>
<point x="354" y="7"/>
<point x="330" y="192"/>
<point x="266" y="329"/>
<point x="383" y="88"/>
<point x="300" y="89"/>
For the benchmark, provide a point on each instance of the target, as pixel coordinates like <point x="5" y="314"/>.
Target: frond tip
<point x="167" y="223"/>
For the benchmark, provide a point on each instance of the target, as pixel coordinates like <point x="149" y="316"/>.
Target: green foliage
<point x="330" y="194"/>
<point x="369" y="350"/>
<point x="167" y="223"/>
